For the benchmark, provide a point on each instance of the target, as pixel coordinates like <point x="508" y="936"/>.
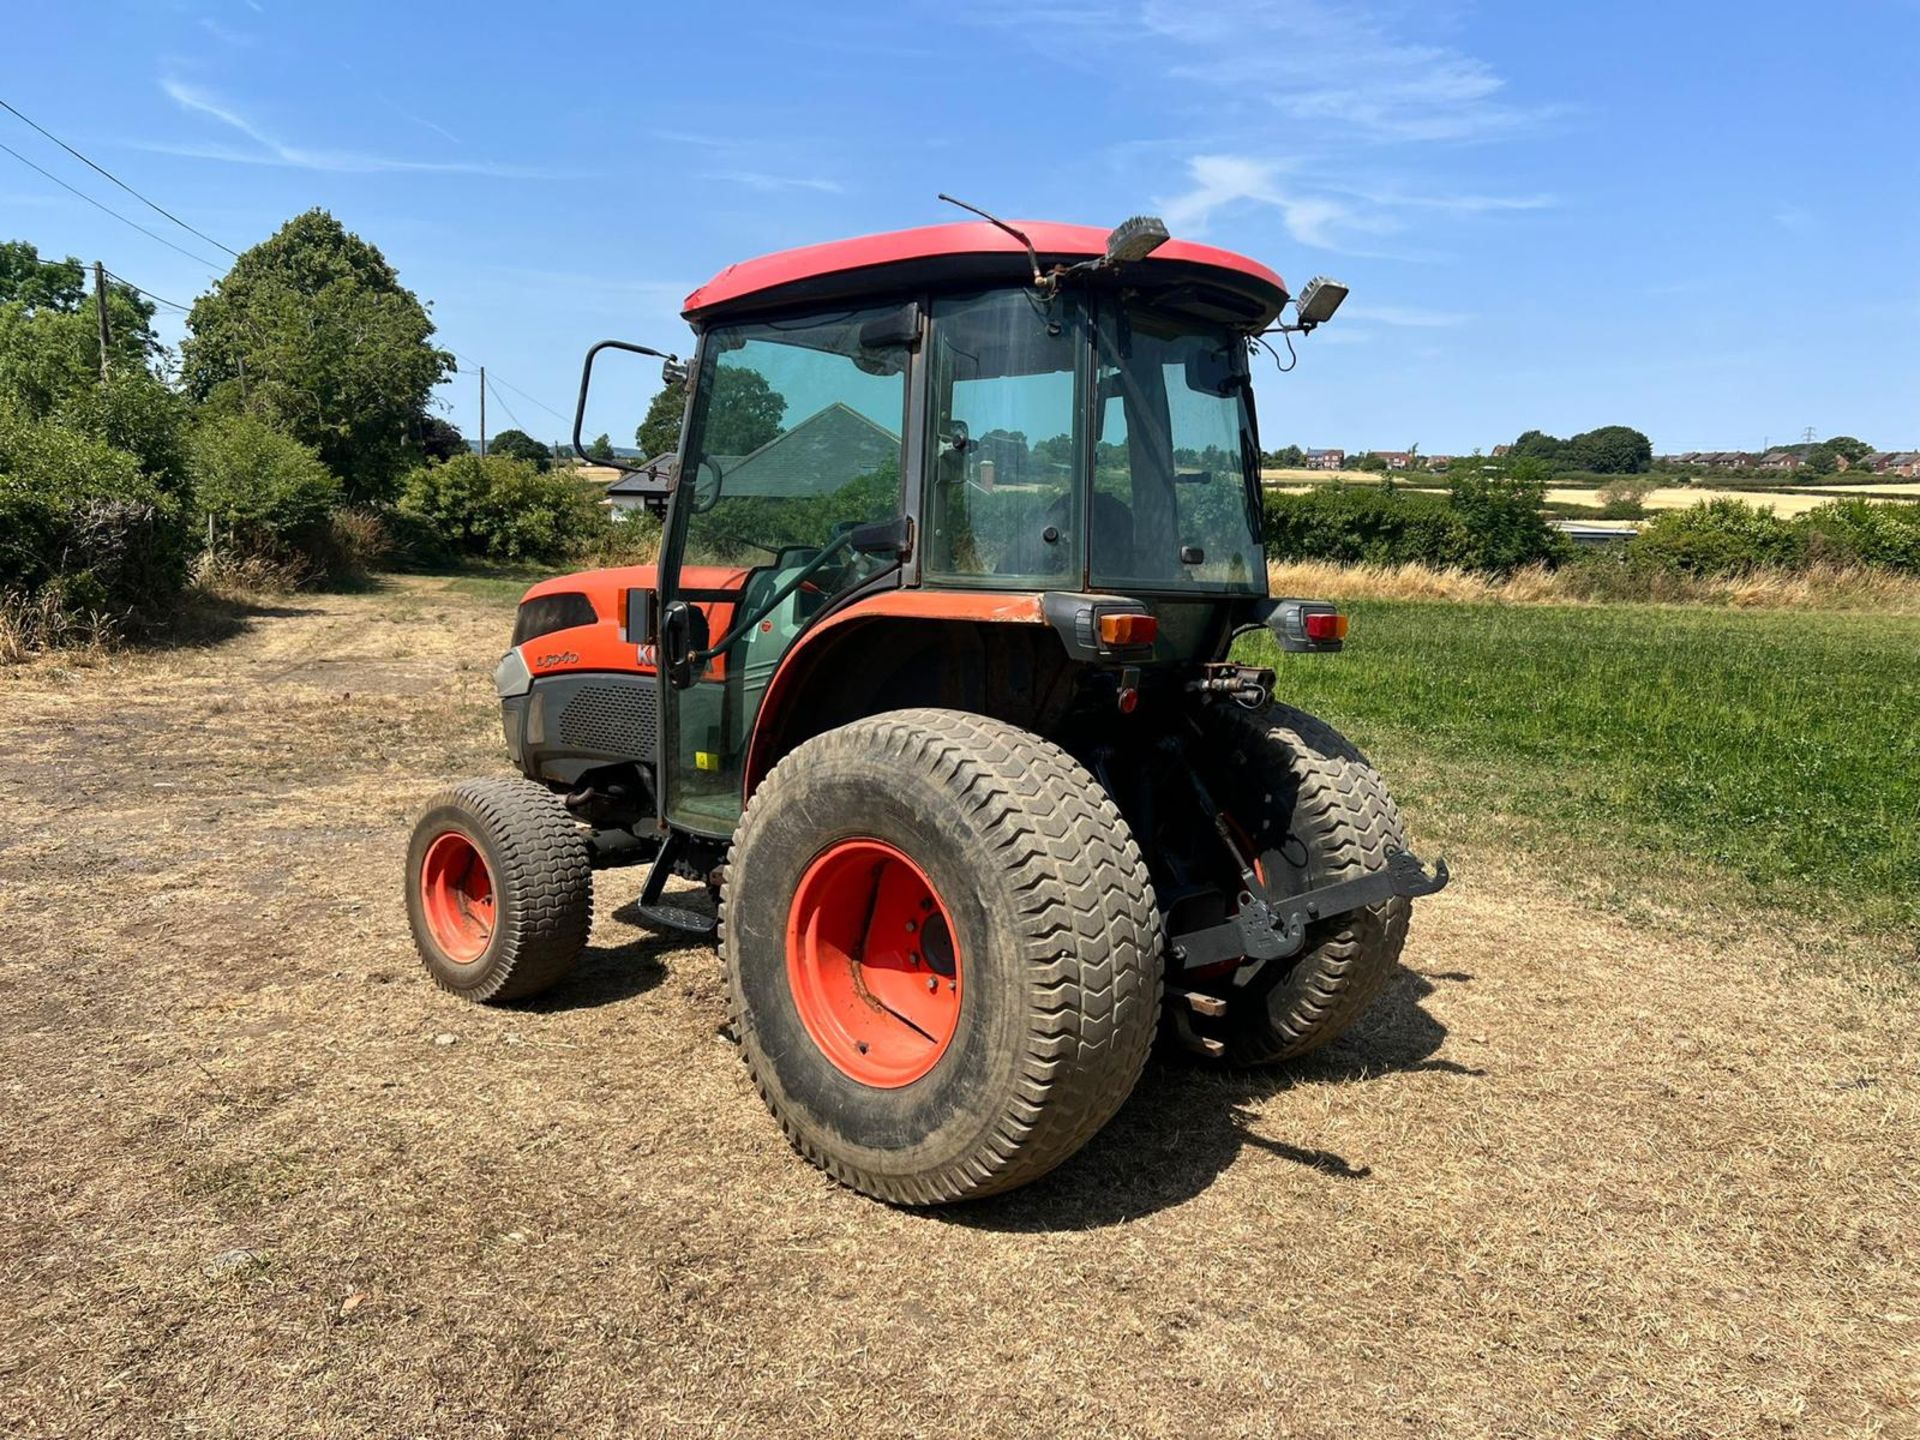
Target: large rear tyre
<point x="1315" y="812"/>
<point x="499" y="889"/>
<point x="943" y="954"/>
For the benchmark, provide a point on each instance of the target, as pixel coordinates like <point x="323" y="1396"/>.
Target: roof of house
<point x="972" y="250"/>
<point x="815" y="457"/>
<point x="662" y="467"/>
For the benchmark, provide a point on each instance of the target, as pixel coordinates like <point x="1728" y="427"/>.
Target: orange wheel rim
<point x="873" y="963"/>
<point x="456" y="897"/>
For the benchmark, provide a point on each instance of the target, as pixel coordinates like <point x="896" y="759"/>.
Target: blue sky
<point x="1699" y="219"/>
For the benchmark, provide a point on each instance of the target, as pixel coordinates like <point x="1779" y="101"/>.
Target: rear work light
<point x="1323" y="626"/>
<point x="1124" y="628"/>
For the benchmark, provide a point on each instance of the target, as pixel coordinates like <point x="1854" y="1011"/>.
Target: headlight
<point x="511" y="676"/>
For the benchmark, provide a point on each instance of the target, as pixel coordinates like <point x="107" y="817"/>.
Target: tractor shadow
<point x="1188" y="1121"/>
<point x="607" y="975"/>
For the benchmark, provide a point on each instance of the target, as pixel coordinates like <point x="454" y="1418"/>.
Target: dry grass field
<point x="1601" y="1163"/>
<point x="1784" y="502"/>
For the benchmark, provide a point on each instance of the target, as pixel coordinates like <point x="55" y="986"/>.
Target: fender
<point x="977" y="606"/>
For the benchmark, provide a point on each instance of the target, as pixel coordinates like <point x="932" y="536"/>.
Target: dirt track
<point x="1577" y="1174"/>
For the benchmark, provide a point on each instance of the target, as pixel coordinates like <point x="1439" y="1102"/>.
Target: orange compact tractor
<point x="932" y="689"/>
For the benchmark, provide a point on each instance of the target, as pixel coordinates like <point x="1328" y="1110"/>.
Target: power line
<point x="212" y="269"/>
<point x="506" y="407"/>
<point x="157" y="299"/>
<point x="496" y="381"/>
<point x="151" y="205"/>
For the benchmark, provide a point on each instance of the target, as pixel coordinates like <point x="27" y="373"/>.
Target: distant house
<point x="1439" y="464"/>
<point x="624" y="496"/>
<point x="1396" y="459"/>
<point x="826" y="450"/>
<point x="1500" y="451"/>
<point x="1325" y="459"/>
<point x="1905" y="463"/>
<point x="1779" y="460"/>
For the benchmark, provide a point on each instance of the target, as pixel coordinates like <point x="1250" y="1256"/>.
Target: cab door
<point x="796" y="437"/>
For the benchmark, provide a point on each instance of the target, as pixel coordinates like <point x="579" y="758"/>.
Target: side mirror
<point x="683" y="634"/>
<point x="669" y="364"/>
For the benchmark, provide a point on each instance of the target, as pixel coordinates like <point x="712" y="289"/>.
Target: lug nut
<point x="911" y="927"/>
<point x="932" y="984"/>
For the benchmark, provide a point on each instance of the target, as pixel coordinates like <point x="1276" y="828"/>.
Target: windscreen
<point x="1173" y="454"/>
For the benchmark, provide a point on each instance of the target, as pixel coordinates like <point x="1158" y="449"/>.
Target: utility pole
<point x="483" y="412"/>
<point x="100" y="304"/>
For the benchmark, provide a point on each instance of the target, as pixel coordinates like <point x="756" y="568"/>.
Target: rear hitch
<point x="1266" y="929"/>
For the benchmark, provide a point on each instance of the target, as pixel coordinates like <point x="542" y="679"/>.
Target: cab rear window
<point x="545" y="614"/>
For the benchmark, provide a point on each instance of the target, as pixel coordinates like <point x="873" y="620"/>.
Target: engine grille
<point x="622" y="720"/>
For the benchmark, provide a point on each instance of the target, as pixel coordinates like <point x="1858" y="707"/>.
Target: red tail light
<point x="1324" y="627"/>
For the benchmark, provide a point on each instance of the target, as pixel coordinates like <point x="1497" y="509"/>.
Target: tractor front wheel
<point x="943" y="954"/>
<point x="499" y="889"/>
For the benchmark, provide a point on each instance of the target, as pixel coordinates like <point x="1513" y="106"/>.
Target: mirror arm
<point x="580" y="407"/>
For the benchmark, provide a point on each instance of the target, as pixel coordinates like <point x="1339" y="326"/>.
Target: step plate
<point x="677" y="919"/>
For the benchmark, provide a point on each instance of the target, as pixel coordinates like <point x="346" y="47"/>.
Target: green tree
<point x="1371" y="462"/>
<point x="50" y="331"/>
<point x="1820" y="460"/>
<point x="1538" y="445"/>
<point x="1609" y="450"/>
<point x="1849" y="449"/>
<point x="1289" y="457"/>
<point x="659" y="432"/>
<point x="438" y="439"/>
<point x="267" y="491"/>
<point x="745" y="413"/>
<point x="518" y="445"/>
<point x="336" y="350"/>
<point x="601" y="448"/>
<point x="502" y="508"/>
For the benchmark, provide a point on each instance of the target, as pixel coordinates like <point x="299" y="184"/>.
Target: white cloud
<point x="757" y="180"/>
<point x="1220" y="182"/>
<point x="269" y="150"/>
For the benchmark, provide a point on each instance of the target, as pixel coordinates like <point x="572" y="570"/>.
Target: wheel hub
<point x="874" y="968"/>
<point x="457" y="897"/>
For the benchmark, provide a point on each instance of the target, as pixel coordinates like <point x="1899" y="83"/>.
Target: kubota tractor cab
<point x="931" y="688"/>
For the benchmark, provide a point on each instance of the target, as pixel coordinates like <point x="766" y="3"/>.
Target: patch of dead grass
<point x="1840" y="588"/>
<point x="1580" y="1172"/>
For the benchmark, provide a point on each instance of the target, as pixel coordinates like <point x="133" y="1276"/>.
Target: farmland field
<point x="1777" y="746"/>
<point x="1783" y="502"/>
<point x="1609" y="1158"/>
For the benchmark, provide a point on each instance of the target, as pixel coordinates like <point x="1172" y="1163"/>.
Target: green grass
<point x="1777" y="751"/>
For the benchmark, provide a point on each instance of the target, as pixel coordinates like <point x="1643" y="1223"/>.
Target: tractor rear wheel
<point x="1315" y="812"/>
<point x="942" y="951"/>
<point x="499" y="889"/>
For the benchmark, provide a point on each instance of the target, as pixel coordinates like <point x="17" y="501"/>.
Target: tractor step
<point x="678" y="919"/>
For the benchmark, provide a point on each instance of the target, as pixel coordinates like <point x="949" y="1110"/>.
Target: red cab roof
<point x="837" y="267"/>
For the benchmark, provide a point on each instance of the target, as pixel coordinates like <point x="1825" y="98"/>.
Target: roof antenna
<point x="1033" y="256"/>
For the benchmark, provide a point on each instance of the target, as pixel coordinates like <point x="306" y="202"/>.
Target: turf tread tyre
<point x="1329" y="804"/>
<point x="1069" y="879"/>
<point x="543" y="881"/>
